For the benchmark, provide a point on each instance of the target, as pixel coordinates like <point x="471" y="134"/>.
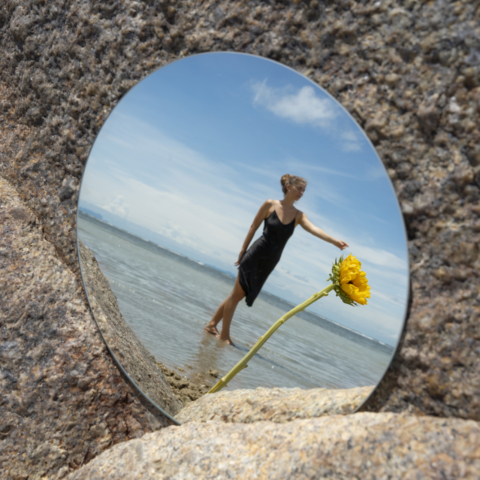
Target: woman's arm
<point x="257" y="221"/>
<point x="318" y="232"/>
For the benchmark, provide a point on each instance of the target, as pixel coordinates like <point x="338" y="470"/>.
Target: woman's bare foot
<point x="211" y="329"/>
<point x="228" y="341"/>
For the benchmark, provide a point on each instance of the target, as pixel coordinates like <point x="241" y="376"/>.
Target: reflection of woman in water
<point x="256" y="263"/>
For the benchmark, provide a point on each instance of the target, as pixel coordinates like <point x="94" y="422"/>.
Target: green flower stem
<point x="243" y="362"/>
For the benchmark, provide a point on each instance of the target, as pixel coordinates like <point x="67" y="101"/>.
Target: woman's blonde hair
<point x="288" y="179"/>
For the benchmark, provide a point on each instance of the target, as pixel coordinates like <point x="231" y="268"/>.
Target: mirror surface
<point x="172" y="184"/>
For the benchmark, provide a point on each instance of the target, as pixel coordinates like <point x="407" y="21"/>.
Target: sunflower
<point x="349" y="282"/>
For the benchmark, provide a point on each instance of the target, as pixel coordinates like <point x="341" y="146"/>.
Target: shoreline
<point x="167" y="387"/>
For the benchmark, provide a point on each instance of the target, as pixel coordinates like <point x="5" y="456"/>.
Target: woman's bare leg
<point x="229" y="309"/>
<point x="225" y="311"/>
<point x="211" y="326"/>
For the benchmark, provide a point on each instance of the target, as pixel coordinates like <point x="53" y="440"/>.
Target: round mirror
<point x="186" y="163"/>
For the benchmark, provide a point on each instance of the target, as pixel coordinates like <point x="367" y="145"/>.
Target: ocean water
<point x="167" y="299"/>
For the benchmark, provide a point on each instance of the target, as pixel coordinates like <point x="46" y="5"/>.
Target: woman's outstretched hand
<point x="240" y="256"/>
<point x="341" y="244"/>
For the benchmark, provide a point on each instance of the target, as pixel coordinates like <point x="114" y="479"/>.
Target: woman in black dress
<point x="256" y="263"/>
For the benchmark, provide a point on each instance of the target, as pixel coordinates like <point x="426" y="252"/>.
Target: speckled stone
<point x="363" y="445"/>
<point x="409" y="73"/>
<point x="62" y="399"/>
<point x="279" y="405"/>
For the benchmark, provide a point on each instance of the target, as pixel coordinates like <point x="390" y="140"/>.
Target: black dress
<point x="260" y="259"/>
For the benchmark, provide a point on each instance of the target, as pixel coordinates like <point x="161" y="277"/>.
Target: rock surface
<point x="409" y="72"/>
<point x="62" y="399"/>
<point x="363" y="445"/>
<point x="279" y="405"/>
<point x="137" y="361"/>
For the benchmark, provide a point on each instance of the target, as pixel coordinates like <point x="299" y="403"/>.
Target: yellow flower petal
<point x="353" y="281"/>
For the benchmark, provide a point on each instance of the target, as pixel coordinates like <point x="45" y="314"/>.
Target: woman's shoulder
<point x="298" y="216"/>
<point x="270" y="203"/>
<point x="267" y="207"/>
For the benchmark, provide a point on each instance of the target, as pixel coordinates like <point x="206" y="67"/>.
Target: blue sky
<point x="193" y="150"/>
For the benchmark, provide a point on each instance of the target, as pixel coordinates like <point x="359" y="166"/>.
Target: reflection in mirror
<point x="181" y="168"/>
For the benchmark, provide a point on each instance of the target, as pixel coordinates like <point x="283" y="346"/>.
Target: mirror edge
<point x="115" y="359"/>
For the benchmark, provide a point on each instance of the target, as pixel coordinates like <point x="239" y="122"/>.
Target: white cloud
<point x="378" y="256"/>
<point x="117" y="206"/>
<point x="305" y="107"/>
<point x="301" y="107"/>
<point x="351" y="142"/>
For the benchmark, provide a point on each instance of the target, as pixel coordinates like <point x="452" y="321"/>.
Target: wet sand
<point x="188" y="389"/>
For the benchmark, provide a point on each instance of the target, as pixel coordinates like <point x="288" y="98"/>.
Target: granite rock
<point x="407" y="72"/>
<point x="279" y="405"/>
<point x="363" y="445"/>
<point x="62" y="399"/>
